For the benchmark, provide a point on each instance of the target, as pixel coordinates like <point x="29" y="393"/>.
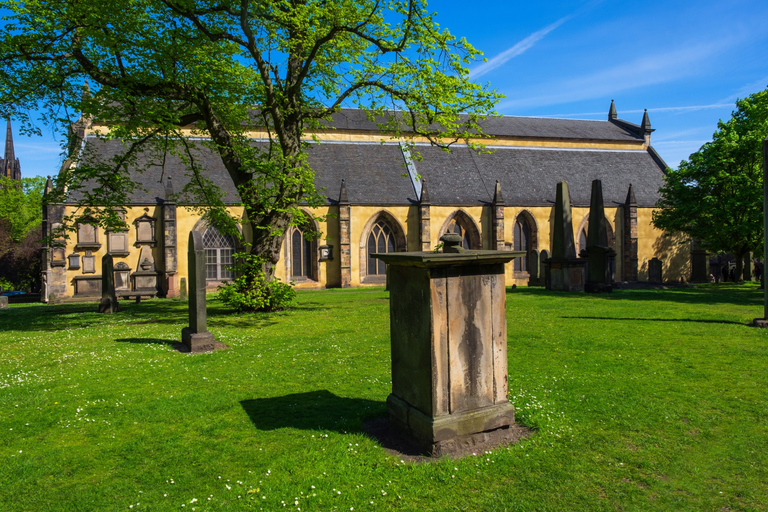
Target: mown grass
<point x="641" y="400"/>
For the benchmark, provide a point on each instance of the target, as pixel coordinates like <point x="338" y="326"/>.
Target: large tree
<point x="20" y="219"/>
<point x="221" y="67"/>
<point x="716" y="196"/>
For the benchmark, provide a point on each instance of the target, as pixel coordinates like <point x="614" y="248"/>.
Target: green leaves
<point x="716" y="196"/>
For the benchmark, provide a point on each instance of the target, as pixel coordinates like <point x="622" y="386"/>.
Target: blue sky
<point x="686" y="62"/>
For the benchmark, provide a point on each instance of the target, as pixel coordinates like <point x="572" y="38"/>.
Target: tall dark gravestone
<point x="565" y="272"/>
<point x="448" y="330"/>
<point x="600" y="257"/>
<point x="108" y="302"/>
<point x="534" y="271"/>
<point x="196" y="337"/>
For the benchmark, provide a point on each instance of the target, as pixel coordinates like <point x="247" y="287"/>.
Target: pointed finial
<point x="343" y="199"/>
<point x="86" y="94"/>
<point x="497" y="197"/>
<point x="646" y="124"/>
<point x="612" y="112"/>
<point x="631" y="201"/>
<point x="168" y="188"/>
<point x="48" y="186"/>
<point x="424" y="199"/>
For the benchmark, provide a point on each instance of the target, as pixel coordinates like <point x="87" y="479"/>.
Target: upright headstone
<point x="183" y="288"/>
<point x="655" y="271"/>
<point x="534" y="278"/>
<point x="565" y="272"/>
<point x="108" y="302"/>
<point x="196" y="337"/>
<point x="544" y="268"/>
<point x="3" y="301"/>
<point x="599" y="256"/>
<point x="699" y="263"/>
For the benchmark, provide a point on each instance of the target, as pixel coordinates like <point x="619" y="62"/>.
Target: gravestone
<point x="449" y="344"/>
<point x="655" y="271"/>
<point x="565" y="272"/>
<point x="89" y="263"/>
<point x="533" y="269"/>
<point x="544" y="268"/>
<point x="183" y="288"/>
<point x="196" y="337"/>
<point x="3" y="301"/>
<point x="600" y="257"/>
<point x="108" y="302"/>
<point x="699" y="263"/>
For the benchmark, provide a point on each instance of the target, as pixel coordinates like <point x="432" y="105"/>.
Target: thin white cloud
<point x="746" y="90"/>
<point x="517" y="49"/>
<point x="649" y="70"/>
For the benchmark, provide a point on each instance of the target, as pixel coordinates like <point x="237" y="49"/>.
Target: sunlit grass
<point x="641" y="400"/>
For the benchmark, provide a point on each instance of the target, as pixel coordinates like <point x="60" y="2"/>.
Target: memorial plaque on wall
<point x="89" y="263"/>
<point x="145" y="229"/>
<point x="118" y="242"/>
<point x="122" y="277"/>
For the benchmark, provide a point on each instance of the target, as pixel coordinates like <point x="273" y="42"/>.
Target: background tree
<point x="20" y="235"/>
<point x="166" y="69"/>
<point x="716" y="196"/>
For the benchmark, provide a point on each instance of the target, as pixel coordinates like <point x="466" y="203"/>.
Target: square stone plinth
<point x="449" y="344"/>
<point x="198" y="342"/>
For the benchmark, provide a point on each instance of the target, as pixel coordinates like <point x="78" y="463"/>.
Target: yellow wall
<point x="651" y="242"/>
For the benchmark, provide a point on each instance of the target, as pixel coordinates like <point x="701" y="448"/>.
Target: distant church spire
<point x="11" y="168"/>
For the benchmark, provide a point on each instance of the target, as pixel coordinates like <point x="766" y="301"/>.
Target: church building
<point x="381" y="197"/>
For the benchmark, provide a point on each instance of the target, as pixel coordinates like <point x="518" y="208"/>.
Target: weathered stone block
<point x="449" y="344"/>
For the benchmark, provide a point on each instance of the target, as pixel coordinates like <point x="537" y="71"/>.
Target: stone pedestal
<point x="449" y="344"/>
<point x="565" y="274"/>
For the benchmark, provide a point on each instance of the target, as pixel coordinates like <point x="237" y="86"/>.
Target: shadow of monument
<point x="702" y="321"/>
<point x="313" y="410"/>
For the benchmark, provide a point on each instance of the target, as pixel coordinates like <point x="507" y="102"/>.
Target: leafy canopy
<point x="716" y="196"/>
<point x="21" y="205"/>
<point x="164" y="70"/>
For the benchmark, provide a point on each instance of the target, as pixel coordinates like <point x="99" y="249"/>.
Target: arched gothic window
<point x="303" y="250"/>
<point x="381" y="239"/>
<point x="584" y="233"/>
<point x="218" y="255"/>
<point x="461" y="224"/>
<point x="522" y="238"/>
<point x="455" y="226"/>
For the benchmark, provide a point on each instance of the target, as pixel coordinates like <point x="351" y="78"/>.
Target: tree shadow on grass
<point x="313" y="410"/>
<point x="177" y="345"/>
<point x="701" y="321"/>
<point x="736" y="294"/>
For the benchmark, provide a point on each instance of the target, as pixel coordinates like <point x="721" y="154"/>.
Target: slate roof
<point x="528" y="176"/>
<point x="510" y="126"/>
<point x="374" y="173"/>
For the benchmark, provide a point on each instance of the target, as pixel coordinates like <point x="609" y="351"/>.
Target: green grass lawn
<point x="640" y="400"/>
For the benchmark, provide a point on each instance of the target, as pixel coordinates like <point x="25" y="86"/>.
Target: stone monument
<point x="108" y="302"/>
<point x="449" y="344"/>
<point x="600" y="257"/>
<point x="534" y="272"/>
<point x="3" y="302"/>
<point x="564" y="271"/>
<point x="183" y="289"/>
<point x="699" y="263"/>
<point x="655" y="271"/>
<point x="196" y="337"/>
